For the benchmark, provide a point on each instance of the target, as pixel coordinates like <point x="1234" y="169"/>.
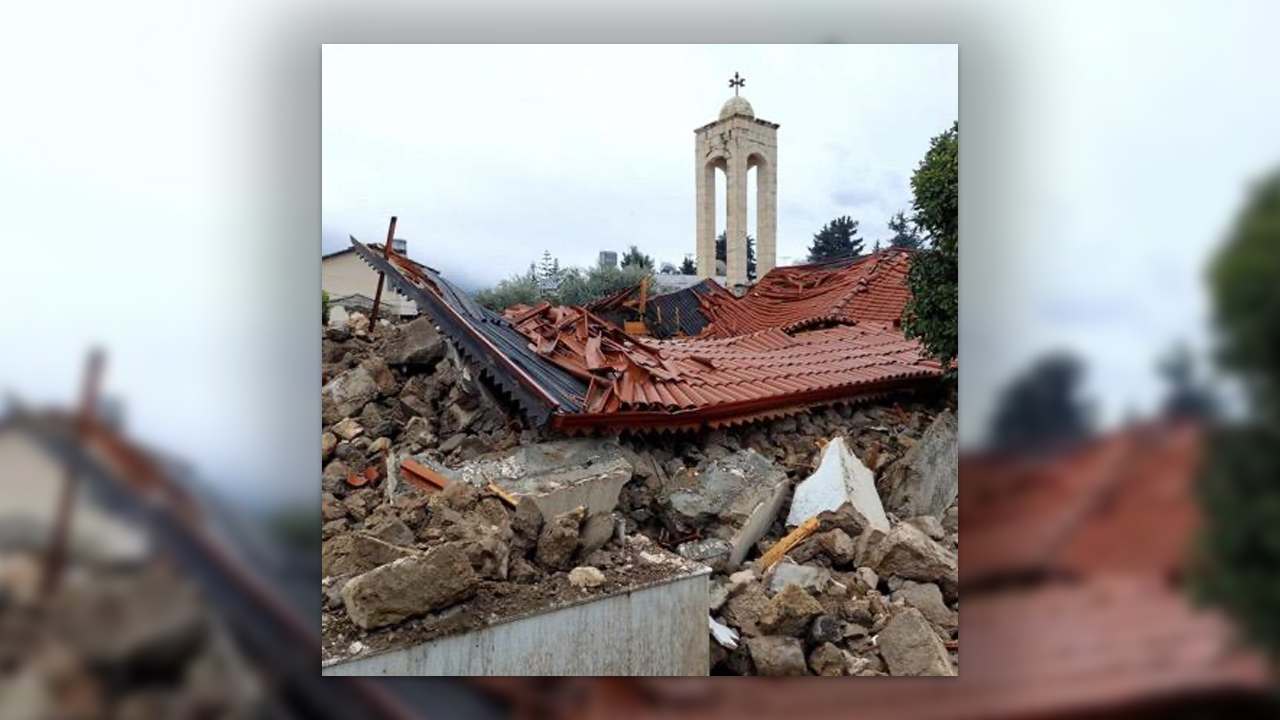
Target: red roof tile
<point x="872" y="287"/>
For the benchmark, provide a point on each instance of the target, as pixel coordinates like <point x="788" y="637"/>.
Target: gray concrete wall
<point x="659" y="630"/>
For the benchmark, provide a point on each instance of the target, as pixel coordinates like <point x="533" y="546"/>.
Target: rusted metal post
<point x="60" y="535"/>
<point x="377" y="295"/>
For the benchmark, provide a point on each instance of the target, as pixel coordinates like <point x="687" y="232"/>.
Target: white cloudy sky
<point x="146" y="203"/>
<point x="490" y="155"/>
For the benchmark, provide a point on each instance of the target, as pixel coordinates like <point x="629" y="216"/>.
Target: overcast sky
<point x="490" y="155"/>
<point x="1108" y="147"/>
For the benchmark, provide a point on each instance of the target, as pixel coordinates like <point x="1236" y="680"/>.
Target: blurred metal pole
<point x="377" y="296"/>
<point x="58" y="540"/>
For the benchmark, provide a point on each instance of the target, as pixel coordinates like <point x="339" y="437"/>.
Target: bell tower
<point x="735" y="143"/>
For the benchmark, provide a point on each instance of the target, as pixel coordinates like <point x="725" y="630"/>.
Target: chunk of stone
<point x="331" y="508"/>
<point x="409" y="587"/>
<point x="328" y="441"/>
<point x="559" y="539"/>
<point x="743" y="491"/>
<point x="391" y="530"/>
<point x="744" y="608"/>
<point x="789" y="612"/>
<point x="414" y="343"/>
<point x="585" y="576"/>
<point x="911" y="555"/>
<point x="717" y="594"/>
<point x="951" y="520"/>
<point x="910" y="647"/>
<point x="925" y="481"/>
<point x="346" y="395"/>
<point x="714" y="552"/>
<point x="777" y="656"/>
<point x="828" y="660"/>
<point x="348" y="429"/>
<point x="596" y="531"/>
<point x="526" y="525"/>
<point x="488" y="552"/>
<point x="825" y="629"/>
<point x="868" y="577"/>
<point x="929" y="525"/>
<point x="838" y="547"/>
<point x="809" y="578"/>
<point x="927" y="598"/>
<point x="841" y="477"/>
<point x="357" y="553"/>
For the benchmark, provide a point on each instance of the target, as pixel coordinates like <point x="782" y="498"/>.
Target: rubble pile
<point x="118" y="642"/>
<point x="831" y="534"/>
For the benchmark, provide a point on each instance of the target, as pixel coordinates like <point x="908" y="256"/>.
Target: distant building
<point x="608" y="258"/>
<point x="351" y="283"/>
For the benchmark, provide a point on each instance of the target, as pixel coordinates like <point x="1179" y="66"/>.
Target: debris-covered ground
<point x="861" y="497"/>
<point x="134" y="641"/>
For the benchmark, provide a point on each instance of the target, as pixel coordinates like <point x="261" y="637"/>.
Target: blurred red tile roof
<point x="1123" y="502"/>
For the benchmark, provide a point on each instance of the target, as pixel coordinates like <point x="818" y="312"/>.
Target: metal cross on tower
<point x="736" y="82"/>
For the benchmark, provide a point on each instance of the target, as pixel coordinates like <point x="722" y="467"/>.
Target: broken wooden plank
<point x="784" y="546"/>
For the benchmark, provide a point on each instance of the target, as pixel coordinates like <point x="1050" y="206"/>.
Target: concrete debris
<point x="810" y="578"/>
<point x="828" y="660"/>
<point x="910" y="554"/>
<point x="927" y="598"/>
<point x="515" y="522"/>
<point x="559" y="539"/>
<point x="789" y="612"/>
<point x="712" y="551"/>
<point x="585" y="576"/>
<point x="409" y="587"/>
<point x="840" y="478"/>
<point x="777" y="656"/>
<point x="740" y="495"/>
<point x="909" y="646"/>
<point x="926" y="480"/>
<point x="357" y="553"/>
<point x="723" y="634"/>
<point x="414" y="343"/>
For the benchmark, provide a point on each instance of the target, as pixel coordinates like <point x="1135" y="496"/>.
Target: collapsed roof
<point x="802" y="336"/>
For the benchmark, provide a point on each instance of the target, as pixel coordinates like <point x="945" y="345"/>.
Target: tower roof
<point x="736" y="105"/>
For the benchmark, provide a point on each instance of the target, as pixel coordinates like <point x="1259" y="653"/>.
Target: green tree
<point x="635" y="258"/>
<point x="521" y="289"/>
<point x="1042" y="408"/>
<point x="1188" y="395"/>
<point x="931" y="314"/>
<point x="324" y="307"/>
<point x="1238" y="564"/>
<point x="722" y="253"/>
<point x="905" y="234"/>
<point x="688" y="267"/>
<point x="838" y="238"/>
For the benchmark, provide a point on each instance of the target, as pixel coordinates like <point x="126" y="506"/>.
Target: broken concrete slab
<point x="742" y="493"/>
<point x="910" y="647"/>
<point x="926" y="480"/>
<point x="411" y="586"/>
<point x="559" y="475"/>
<point x="840" y="478"/>
<point x="414" y="343"/>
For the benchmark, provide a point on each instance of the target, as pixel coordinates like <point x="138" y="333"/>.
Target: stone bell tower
<point x="735" y="143"/>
